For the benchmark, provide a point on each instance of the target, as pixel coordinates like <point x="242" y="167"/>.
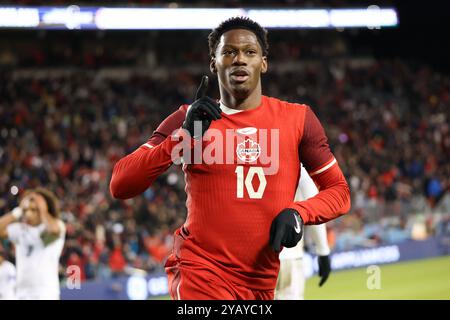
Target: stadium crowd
<point x="387" y="121"/>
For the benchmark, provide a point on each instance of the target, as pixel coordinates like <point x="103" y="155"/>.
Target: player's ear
<point x="264" y="64"/>
<point x="212" y="65"/>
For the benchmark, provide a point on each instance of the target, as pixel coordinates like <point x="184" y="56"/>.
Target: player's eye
<point x="251" y="52"/>
<point x="228" y="52"/>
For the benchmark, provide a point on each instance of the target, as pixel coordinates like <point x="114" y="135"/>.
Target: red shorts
<point x="198" y="282"/>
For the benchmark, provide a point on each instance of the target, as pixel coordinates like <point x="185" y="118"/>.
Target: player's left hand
<point x="286" y="229"/>
<point x="324" y="268"/>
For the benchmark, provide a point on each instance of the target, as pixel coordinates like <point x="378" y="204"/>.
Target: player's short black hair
<point x="238" y="23"/>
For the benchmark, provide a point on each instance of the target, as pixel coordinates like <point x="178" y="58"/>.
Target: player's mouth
<point x="239" y="75"/>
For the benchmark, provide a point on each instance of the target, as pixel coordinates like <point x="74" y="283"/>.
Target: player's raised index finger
<point x="201" y="91"/>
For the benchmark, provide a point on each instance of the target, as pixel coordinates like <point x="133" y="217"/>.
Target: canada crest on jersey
<point x="248" y="150"/>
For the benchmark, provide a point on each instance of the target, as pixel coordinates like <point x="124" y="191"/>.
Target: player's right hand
<point x="201" y="112"/>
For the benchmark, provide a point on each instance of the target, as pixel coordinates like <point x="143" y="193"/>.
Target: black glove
<point x="324" y="268"/>
<point x="204" y="110"/>
<point x="286" y="230"/>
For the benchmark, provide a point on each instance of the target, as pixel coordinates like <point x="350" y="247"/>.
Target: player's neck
<point x="250" y="102"/>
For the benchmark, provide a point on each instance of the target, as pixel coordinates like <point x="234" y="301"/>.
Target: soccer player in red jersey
<point x="240" y="191"/>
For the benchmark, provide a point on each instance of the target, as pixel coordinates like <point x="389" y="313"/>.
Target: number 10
<point x="248" y="182"/>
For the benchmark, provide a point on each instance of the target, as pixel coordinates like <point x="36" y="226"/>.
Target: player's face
<point x="239" y="62"/>
<point x="31" y="212"/>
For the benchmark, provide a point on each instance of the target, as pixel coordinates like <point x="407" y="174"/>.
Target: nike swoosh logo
<point x="297" y="224"/>
<point x="248" y="130"/>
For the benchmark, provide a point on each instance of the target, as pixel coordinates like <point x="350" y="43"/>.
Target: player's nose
<point x="240" y="59"/>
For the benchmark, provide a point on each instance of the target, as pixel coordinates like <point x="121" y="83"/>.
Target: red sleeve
<point x="134" y="173"/>
<point x="168" y="126"/>
<point x="314" y="150"/>
<point x="333" y="199"/>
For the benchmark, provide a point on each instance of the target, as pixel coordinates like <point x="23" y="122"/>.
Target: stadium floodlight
<point x="318" y="18"/>
<point x="372" y="17"/>
<point x="71" y="17"/>
<point x="162" y="19"/>
<point x="74" y="17"/>
<point x="19" y="17"/>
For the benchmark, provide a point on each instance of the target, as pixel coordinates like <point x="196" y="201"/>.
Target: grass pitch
<point x="411" y="280"/>
<point x="422" y="279"/>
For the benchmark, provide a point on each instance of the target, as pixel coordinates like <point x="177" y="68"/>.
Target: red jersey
<point x="232" y="202"/>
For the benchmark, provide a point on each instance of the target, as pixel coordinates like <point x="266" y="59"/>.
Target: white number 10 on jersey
<point x="247" y="181"/>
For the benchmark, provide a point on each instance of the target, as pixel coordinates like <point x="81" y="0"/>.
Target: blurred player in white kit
<point x="291" y="278"/>
<point x="7" y="278"/>
<point x="38" y="235"/>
